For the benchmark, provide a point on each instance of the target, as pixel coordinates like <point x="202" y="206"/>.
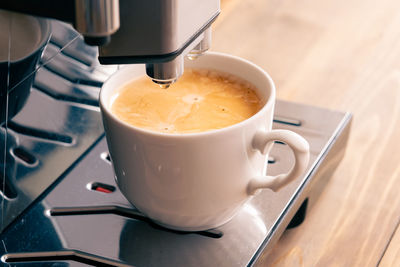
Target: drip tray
<point x="83" y="219"/>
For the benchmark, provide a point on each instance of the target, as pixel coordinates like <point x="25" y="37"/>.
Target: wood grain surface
<point x="342" y="55"/>
<point x="392" y="254"/>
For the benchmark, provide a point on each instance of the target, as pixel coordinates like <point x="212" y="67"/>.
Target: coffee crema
<point x="201" y="100"/>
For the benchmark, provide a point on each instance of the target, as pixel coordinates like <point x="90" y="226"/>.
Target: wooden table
<point x="342" y="55"/>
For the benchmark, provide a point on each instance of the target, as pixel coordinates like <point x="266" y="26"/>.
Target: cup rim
<point x="268" y="105"/>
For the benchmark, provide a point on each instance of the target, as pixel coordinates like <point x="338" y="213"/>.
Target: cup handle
<point x="300" y="148"/>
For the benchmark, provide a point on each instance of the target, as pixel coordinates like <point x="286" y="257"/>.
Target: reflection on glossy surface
<point x="22" y="41"/>
<point x="254" y="214"/>
<point x="58" y="123"/>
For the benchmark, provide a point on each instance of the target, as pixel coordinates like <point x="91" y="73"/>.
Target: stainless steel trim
<point x="97" y="18"/>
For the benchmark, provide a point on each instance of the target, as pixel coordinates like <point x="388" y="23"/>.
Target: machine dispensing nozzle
<point x="165" y="73"/>
<point x="202" y="47"/>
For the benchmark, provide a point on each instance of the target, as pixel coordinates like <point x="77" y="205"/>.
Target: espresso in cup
<point x="201" y="100"/>
<point x="198" y="180"/>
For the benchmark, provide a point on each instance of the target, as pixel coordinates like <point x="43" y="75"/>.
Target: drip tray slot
<point x="125" y="212"/>
<point x="63" y="255"/>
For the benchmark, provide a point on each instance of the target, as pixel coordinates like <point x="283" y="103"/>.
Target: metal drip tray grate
<point x="97" y="222"/>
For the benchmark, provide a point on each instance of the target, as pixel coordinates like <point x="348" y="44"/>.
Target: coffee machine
<point x="158" y="33"/>
<point x="60" y="205"/>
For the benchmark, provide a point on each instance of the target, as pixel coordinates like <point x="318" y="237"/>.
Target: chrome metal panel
<point x="97" y="17"/>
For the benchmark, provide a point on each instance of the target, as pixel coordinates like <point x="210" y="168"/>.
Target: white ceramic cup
<point x="198" y="181"/>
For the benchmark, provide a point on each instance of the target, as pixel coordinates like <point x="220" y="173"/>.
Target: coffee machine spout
<point x="165" y="73"/>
